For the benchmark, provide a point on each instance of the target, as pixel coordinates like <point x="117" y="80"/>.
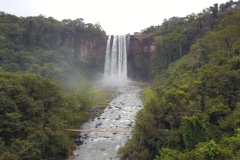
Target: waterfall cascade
<point x="115" y="68"/>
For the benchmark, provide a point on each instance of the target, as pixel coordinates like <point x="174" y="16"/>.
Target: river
<point x="118" y="115"/>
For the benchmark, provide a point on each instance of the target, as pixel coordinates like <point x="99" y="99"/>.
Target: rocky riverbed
<point x="118" y="115"/>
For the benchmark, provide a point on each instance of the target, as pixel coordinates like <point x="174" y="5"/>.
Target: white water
<point x="118" y="115"/>
<point x="115" y="68"/>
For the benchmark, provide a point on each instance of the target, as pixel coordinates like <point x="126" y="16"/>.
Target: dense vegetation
<point x="195" y="113"/>
<point x="192" y="111"/>
<point x="43" y="90"/>
<point x="34" y="116"/>
<point x="45" y="46"/>
<point x="174" y="37"/>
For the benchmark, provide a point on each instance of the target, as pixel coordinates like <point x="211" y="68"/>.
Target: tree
<point x="31" y="125"/>
<point x="168" y="154"/>
<point x="236" y="47"/>
<point x="175" y="40"/>
<point x="229" y="35"/>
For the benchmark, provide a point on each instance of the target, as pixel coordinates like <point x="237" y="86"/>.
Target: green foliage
<point x="176" y="41"/>
<point x="147" y="95"/>
<point x="177" y="35"/>
<point x="30" y="122"/>
<point x="192" y="132"/>
<point x="34" y="112"/>
<point x="194" y="113"/>
<point x="34" y="115"/>
<point x="168" y="154"/>
<point x="75" y="110"/>
<point x="47" y="47"/>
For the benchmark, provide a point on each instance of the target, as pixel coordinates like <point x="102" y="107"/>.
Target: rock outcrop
<point x="92" y="52"/>
<point x="141" y="52"/>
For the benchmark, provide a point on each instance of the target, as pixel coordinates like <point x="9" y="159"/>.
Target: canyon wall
<point x="92" y="52"/>
<point x="140" y="53"/>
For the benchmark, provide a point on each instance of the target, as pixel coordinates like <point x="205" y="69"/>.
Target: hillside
<point x="47" y="47"/>
<point x="195" y="111"/>
<point x="44" y="88"/>
<point x="192" y="110"/>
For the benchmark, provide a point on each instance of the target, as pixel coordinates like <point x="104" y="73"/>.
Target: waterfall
<point x="115" y="68"/>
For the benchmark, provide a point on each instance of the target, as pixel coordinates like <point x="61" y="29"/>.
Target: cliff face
<point x="92" y="52"/>
<point x="140" y="53"/>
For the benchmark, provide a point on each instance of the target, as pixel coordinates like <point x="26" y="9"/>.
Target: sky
<point x="116" y="17"/>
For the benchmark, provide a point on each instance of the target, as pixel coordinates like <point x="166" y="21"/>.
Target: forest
<point x="43" y="89"/>
<point x="194" y="108"/>
<point x="191" y="110"/>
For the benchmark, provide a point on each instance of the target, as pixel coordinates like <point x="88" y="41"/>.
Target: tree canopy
<point x="194" y="113"/>
<point x="43" y="89"/>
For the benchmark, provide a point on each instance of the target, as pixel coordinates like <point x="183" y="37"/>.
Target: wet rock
<point x="78" y="140"/>
<point x="118" y="117"/>
<point x="85" y="135"/>
<point x="99" y="124"/>
<point x="122" y="103"/>
<point x="129" y="125"/>
<point x="107" y="137"/>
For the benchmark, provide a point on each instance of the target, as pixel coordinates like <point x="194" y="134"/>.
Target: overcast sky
<point x="115" y="16"/>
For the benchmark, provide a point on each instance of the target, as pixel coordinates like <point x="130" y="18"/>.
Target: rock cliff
<point x="92" y="52"/>
<point x="140" y="53"/>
